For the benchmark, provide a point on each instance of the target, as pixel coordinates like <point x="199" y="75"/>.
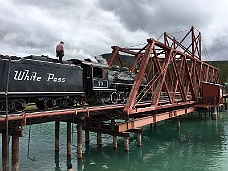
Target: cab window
<point x="97" y="73"/>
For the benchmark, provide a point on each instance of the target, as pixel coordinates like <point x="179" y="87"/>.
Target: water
<point x="199" y="145"/>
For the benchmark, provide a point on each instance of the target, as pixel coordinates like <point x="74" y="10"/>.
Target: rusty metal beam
<point x="137" y="123"/>
<point x="113" y="55"/>
<point x="75" y="111"/>
<point x="107" y="131"/>
<point x="162" y="80"/>
<point x="178" y="80"/>
<point x="130" y="102"/>
<point x="162" y="71"/>
<point x="164" y="106"/>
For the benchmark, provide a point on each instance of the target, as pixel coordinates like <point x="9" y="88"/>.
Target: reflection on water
<point x="198" y="145"/>
<point x="57" y="167"/>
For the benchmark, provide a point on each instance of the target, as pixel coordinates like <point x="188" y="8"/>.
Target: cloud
<point x="91" y="27"/>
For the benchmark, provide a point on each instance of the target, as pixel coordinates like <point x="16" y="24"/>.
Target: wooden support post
<point x="139" y="138"/>
<point x="113" y="123"/>
<point x="126" y="143"/>
<point x="57" y="124"/>
<point x="201" y="114"/>
<point x="87" y="137"/>
<point x="205" y="113"/>
<point x="87" y="124"/>
<point x="68" y="138"/>
<point x="209" y="111"/>
<point x="155" y="124"/>
<point x="114" y="142"/>
<point x="151" y="126"/>
<point x="80" y="165"/>
<point x="225" y="104"/>
<point x="5" y="152"/>
<point x="79" y="140"/>
<point x="15" y="153"/>
<point x="57" y="161"/>
<point x="213" y="113"/>
<point x="99" y="139"/>
<point x="68" y="160"/>
<point x="191" y="115"/>
<point x="178" y="123"/>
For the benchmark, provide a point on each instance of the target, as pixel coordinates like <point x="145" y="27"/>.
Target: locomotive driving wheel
<point x="65" y="102"/>
<point x="114" y="98"/>
<point x="40" y="104"/>
<point x="11" y="105"/>
<point x="122" y="97"/>
<point x="20" y="105"/>
<point x="49" y="103"/>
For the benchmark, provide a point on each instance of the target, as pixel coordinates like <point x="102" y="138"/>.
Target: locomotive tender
<point x="49" y="84"/>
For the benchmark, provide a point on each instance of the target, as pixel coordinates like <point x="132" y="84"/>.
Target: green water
<point x="199" y="145"/>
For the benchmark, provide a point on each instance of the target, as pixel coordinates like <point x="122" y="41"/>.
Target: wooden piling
<point x="155" y="124"/>
<point x="68" y="138"/>
<point x="191" y="115"/>
<point x="178" y="123"/>
<point x="126" y="143"/>
<point x="213" y="113"/>
<point x="139" y="138"/>
<point x="15" y="153"/>
<point x="99" y="138"/>
<point x="79" y="141"/>
<point x="113" y="123"/>
<point x="57" y="161"/>
<point x="87" y="137"/>
<point x="114" y="142"/>
<point x="5" y="152"/>
<point x="57" y="124"/>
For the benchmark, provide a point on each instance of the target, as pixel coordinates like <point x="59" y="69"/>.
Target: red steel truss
<point x="174" y="72"/>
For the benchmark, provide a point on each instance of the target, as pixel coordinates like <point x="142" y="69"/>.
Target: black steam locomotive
<point x="49" y="84"/>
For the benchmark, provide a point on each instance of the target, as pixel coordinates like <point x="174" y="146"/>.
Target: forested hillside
<point x="223" y="69"/>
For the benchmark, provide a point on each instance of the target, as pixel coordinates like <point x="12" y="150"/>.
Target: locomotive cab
<point x="95" y="76"/>
<point x="95" y="82"/>
<point x="99" y="77"/>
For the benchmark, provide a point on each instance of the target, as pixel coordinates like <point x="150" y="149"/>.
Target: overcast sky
<point x="91" y="27"/>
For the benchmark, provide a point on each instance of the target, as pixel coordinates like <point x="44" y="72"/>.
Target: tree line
<point x="223" y="70"/>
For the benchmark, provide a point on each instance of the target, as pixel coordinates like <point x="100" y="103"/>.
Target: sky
<point x="91" y="27"/>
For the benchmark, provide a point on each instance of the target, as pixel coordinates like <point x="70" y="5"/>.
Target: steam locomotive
<point x="49" y="84"/>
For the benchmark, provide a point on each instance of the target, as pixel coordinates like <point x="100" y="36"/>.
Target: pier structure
<point x="177" y="80"/>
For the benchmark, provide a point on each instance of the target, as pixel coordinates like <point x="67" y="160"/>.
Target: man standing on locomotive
<point x="60" y="51"/>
